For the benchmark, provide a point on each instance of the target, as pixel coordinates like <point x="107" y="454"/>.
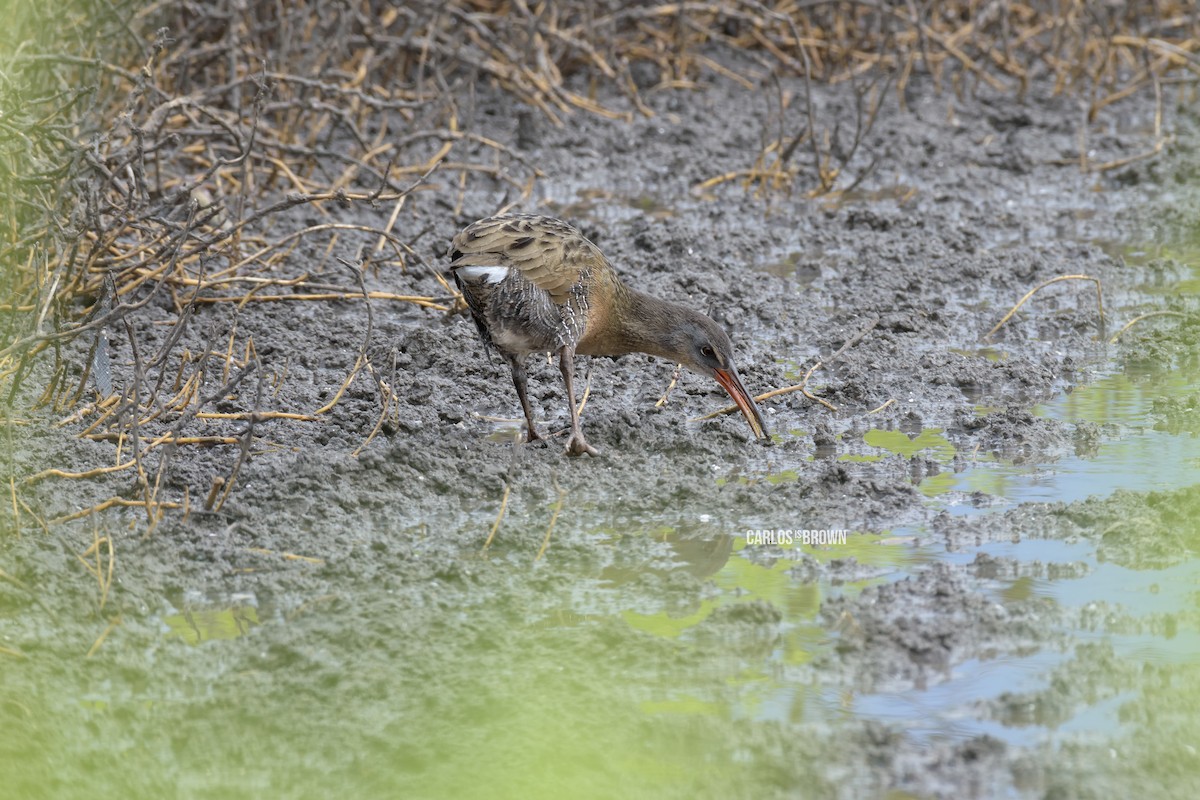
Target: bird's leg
<point x="521" y="381"/>
<point x="576" y="445"/>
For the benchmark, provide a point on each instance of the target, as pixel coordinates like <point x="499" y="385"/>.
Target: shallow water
<point x="1139" y="458"/>
<point x="1131" y="454"/>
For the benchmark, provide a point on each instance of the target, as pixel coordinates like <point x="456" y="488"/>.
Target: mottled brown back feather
<point x="550" y="253"/>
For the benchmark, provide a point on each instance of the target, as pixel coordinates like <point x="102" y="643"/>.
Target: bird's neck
<point x="640" y="323"/>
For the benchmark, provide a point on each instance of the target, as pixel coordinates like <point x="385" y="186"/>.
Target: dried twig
<point x="1099" y="300"/>
<point x="558" y="506"/>
<point x="1141" y="317"/>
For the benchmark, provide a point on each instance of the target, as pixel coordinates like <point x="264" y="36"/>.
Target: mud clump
<point x="911" y="632"/>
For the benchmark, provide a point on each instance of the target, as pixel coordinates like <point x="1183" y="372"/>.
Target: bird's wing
<point x="548" y="252"/>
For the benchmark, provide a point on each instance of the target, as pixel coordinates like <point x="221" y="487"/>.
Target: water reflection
<point x="202" y="625"/>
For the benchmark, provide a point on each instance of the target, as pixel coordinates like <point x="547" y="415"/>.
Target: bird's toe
<point x="577" y="446"/>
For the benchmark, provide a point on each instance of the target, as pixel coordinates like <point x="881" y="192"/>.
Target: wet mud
<point x="338" y="605"/>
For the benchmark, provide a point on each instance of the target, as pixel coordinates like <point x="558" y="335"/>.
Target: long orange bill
<point x="731" y="383"/>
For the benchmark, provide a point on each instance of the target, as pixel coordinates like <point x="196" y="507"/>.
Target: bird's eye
<point x="707" y="351"/>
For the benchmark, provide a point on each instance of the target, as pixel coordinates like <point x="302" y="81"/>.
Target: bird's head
<point x="702" y="346"/>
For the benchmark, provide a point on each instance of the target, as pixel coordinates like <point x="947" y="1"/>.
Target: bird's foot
<point x="577" y="445"/>
<point x="531" y="435"/>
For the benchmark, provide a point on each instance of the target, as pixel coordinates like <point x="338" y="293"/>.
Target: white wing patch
<point x="482" y="274"/>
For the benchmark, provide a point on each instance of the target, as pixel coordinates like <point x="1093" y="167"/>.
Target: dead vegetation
<point x="148" y="153"/>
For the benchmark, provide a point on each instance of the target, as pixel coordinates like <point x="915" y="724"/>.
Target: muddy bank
<point x="334" y="629"/>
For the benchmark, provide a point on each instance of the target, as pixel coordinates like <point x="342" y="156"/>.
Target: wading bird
<point x="535" y="284"/>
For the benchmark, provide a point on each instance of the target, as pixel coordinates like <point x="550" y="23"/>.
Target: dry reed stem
<point x="558" y="506"/>
<point x="285" y="556"/>
<point x="58" y="473"/>
<point x="889" y="402"/>
<point x="801" y="387"/>
<point x="386" y="398"/>
<point x="662" y="401"/>
<point x="34" y="515"/>
<point x="105" y="562"/>
<point x="258" y="415"/>
<point x="15" y="581"/>
<point x="499" y="518"/>
<point x="424" y="302"/>
<point x="1141" y="317"/>
<point x="362" y="358"/>
<point x="587" y="392"/>
<point x="1044" y="284"/>
<point x="107" y="504"/>
<point x="95" y="648"/>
